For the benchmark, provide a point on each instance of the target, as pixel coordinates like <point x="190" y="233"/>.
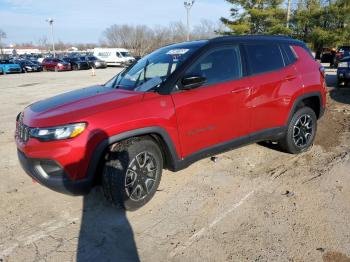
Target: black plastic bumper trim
<point x="61" y="184"/>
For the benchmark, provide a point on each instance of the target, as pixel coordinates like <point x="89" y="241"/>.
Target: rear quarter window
<point x="288" y="53"/>
<point x="263" y="57"/>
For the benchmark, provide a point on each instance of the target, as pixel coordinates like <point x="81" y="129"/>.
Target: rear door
<point x="275" y="81"/>
<point x="216" y="112"/>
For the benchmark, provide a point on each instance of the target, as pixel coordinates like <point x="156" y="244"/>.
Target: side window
<point x="264" y="57"/>
<point x="219" y="65"/>
<point x="288" y="53"/>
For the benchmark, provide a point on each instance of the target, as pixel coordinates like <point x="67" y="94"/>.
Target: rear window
<point x="264" y="57"/>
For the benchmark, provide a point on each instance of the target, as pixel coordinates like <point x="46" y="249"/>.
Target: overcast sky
<point x="83" y="21"/>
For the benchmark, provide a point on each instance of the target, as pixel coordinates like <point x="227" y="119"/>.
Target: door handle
<point x="240" y="90"/>
<point x="290" y="77"/>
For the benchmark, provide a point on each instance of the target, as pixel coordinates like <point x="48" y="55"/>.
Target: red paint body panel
<point x="212" y="114"/>
<point x="272" y="97"/>
<point x="310" y="74"/>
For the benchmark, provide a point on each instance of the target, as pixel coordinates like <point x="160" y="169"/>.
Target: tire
<point x="125" y="180"/>
<point x="304" y="120"/>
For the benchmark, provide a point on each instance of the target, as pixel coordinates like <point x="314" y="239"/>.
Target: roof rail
<point x="252" y="36"/>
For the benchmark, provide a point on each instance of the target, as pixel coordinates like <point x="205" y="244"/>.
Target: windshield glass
<point x="153" y="69"/>
<point x="125" y="54"/>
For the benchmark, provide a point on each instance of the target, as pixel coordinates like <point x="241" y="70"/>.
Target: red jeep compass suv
<point x="175" y="106"/>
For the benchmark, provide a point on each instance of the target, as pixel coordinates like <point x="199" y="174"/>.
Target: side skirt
<point x="268" y="134"/>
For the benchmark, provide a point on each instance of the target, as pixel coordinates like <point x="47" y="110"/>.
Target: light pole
<point x="288" y="12"/>
<point x="50" y="21"/>
<point x="188" y="5"/>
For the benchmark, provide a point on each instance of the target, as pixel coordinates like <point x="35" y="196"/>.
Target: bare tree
<point x="206" y="29"/>
<point x="142" y="39"/>
<point x="2" y="36"/>
<point x="137" y="38"/>
<point x="43" y="43"/>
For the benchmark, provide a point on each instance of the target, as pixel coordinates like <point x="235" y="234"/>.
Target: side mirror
<point x="191" y="82"/>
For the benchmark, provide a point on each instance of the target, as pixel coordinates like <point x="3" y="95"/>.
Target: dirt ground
<point x="253" y="204"/>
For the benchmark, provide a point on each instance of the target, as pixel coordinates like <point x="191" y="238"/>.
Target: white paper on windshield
<point x="177" y="51"/>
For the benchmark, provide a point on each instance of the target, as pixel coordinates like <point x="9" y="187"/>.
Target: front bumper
<point x="64" y="68"/>
<point x="50" y="174"/>
<point x="13" y="70"/>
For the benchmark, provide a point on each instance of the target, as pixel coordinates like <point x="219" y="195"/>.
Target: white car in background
<point x="114" y="56"/>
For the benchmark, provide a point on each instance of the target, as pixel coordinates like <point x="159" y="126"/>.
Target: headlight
<point x="60" y="64"/>
<point x="343" y="64"/>
<point x="58" y="132"/>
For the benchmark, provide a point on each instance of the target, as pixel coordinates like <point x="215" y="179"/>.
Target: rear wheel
<point x="132" y="173"/>
<point x="75" y="67"/>
<point x="301" y="131"/>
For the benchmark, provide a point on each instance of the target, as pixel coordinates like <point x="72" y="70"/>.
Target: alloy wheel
<point x="302" y="130"/>
<point x="141" y="176"/>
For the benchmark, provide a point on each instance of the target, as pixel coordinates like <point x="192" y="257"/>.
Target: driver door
<point x="216" y="112"/>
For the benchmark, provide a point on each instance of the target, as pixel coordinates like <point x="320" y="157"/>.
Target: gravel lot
<point x="253" y="204"/>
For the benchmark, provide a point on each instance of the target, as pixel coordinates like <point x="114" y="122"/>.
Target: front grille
<point x="22" y="131"/>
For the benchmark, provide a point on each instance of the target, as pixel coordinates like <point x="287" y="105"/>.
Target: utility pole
<point x="288" y="12"/>
<point x="50" y="21"/>
<point x="188" y="5"/>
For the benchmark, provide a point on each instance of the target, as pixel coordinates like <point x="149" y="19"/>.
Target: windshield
<point x="153" y="69"/>
<point x="125" y="54"/>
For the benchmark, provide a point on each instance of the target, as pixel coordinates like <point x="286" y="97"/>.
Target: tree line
<point x="320" y="23"/>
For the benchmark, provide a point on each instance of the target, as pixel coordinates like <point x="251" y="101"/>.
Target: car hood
<point x="77" y="105"/>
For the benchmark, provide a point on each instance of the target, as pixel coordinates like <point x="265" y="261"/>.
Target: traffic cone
<point x="93" y="73"/>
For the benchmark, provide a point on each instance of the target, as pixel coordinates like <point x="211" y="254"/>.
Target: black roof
<point x="253" y="38"/>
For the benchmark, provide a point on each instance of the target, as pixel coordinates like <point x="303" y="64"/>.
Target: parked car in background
<point x="343" y="71"/>
<point x="179" y="104"/>
<point x="328" y="55"/>
<point x="94" y="62"/>
<point x="114" y="56"/>
<point x="28" y="66"/>
<point x="10" y="67"/>
<point x="55" y="64"/>
<point x="342" y="52"/>
<point x="77" y="63"/>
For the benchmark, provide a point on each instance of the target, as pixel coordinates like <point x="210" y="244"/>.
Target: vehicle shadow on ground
<point x="105" y="233"/>
<point x="341" y="95"/>
<point x="270" y="145"/>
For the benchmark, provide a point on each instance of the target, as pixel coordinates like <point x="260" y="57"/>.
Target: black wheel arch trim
<point x="172" y="157"/>
<point x="174" y="162"/>
<point x="301" y="98"/>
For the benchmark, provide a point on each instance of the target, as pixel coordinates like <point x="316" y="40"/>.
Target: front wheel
<point x="301" y="131"/>
<point x="132" y="173"/>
